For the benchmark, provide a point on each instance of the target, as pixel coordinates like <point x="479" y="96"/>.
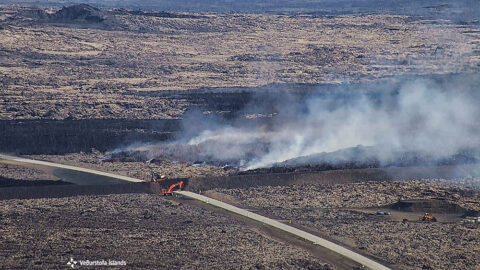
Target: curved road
<point x="367" y="262"/>
<point x="67" y="167"/>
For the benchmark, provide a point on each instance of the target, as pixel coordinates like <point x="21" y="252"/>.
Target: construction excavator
<point x="169" y="191"/>
<point x="428" y="217"/>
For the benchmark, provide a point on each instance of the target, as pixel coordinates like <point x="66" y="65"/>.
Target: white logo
<point x="72" y="263"/>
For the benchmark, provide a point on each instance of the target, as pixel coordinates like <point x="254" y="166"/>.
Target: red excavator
<point x="169" y="191"/>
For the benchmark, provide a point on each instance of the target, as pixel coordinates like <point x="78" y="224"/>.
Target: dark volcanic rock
<point x="429" y="206"/>
<point x="360" y="157"/>
<point x="79" y="13"/>
<point x="36" y="14"/>
<point x="160" y="14"/>
<point x="8" y="182"/>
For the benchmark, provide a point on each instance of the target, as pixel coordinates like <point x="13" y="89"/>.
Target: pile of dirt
<point x="79" y="13"/>
<point x="429" y="206"/>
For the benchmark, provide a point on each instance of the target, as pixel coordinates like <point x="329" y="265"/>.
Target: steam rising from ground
<point x="420" y="117"/>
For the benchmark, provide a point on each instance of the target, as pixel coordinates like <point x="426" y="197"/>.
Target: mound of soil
<point x="79" y="13"/>
<point x="429" y="206"/>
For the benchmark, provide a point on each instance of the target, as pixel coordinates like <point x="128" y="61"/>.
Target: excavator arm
<point x="169" y="191"/>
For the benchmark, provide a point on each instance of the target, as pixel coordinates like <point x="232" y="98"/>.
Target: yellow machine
<point x="428" y="217"/>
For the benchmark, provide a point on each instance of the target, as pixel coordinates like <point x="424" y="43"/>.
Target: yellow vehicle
<point x="428" y="217"/>
<point x="475" y="220"/>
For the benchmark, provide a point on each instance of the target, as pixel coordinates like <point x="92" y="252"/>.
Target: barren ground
<point x="125" y="67"/>
<point x="140" y="170"/>
<point x="336" y="211"/>
<point x="342" y="212"/>
<point x="23" y="173"/>
<point x="58" y="71"/>
<point x="146" y="231"/>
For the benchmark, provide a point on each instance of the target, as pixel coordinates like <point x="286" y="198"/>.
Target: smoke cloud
<point x="423" y="117"/>
<point x="417" y="119"/>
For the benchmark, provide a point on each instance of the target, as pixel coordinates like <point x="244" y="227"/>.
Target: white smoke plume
<point x="423" y="117"/>
<point x="419" y="118"/>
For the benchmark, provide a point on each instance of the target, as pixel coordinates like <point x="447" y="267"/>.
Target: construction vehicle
<point x="428" y="217"/>
<point x="169" y="191"/>
<point x="475" y="220"/>
<point x="382" y="213"/>
<point x="157" y="177"/>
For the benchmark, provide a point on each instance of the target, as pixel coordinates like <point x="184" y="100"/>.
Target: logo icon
<point x="72" y="263"/>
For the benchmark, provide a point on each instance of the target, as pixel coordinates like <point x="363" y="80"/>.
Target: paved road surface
<point x="369" y="263"/>
<point x="65" y="168"/>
